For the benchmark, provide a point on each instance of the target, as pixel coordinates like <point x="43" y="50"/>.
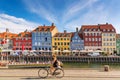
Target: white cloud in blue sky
<point x="66" y="14"/>
<point x="15" y="25"/>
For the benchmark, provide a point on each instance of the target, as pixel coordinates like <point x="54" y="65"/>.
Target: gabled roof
<point x="44" y="28"/>
<point x="106" y="27"/>
<point x="63" y="34"/>
<point x="84" y="27"/>
<point x="8" y="35"/>
<point x="80" y="35"/>
<point x="103" y="27"/>
<point x="24" y="34"/>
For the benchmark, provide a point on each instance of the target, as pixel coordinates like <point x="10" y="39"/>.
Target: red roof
<point x="63" y="34"/>
<point x="107" y="27"/>
<point x="45" y="28"/>
<point x="103" y="27"/>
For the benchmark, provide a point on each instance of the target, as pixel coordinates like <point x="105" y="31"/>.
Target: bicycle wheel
<point x="59" y="73"/>
<point x="43" y="73"/>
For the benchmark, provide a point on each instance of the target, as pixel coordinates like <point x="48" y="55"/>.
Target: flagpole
<point x="7" y="47"/>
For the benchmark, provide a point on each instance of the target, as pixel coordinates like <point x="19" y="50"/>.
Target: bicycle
<point x="45" y="71"/>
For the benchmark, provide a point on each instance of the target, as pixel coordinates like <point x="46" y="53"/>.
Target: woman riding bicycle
<point x="55" y="64"/>
<point x="55" y="69"/>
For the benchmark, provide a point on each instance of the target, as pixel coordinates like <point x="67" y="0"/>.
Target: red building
<point x="23" y="41"/>
<point x="92" y="37"/>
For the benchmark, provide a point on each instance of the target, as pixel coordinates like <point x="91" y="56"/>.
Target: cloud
<point x="76" y="8"/>
<point x="15" y="24"/>
<point x="44" y="11"/>
<point x="75" y="13"/>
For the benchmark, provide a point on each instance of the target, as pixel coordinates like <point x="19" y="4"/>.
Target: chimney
<point x="7" y="30"/>
<point x="44" y="25"/>
<point x="65" y="31"/>
<point x="106" y="23"/>
<point x="76" y="29"/>
<point x="52" y="24"/>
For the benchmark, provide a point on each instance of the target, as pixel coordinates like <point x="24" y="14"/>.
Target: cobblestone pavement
<point x="70" y="74"/>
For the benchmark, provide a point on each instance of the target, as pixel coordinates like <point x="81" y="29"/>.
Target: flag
<point x="4" y="41"/>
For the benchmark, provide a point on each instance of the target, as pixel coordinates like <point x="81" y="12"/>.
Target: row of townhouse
<point x="47" y="38"/>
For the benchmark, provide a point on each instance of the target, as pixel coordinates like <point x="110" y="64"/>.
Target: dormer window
<point x="89" y="29"/>
<point x="19" y="35"/>
<point x="42" y="29"/>
<point x="85" y="29"/>
<point x="98" y="29"/>
<point x="104" y="30"/>
<point x="112" y="29"/>
<point x="37" y="29"/>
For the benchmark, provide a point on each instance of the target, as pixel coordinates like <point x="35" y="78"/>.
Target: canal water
<point x="91" y="65"/>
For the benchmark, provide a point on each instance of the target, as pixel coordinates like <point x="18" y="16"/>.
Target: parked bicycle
<point x="45" y="72"/>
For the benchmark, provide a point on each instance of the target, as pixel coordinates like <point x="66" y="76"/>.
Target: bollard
<point x="106" y="68"/>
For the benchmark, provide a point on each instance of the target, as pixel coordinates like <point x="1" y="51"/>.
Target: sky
<point x="19" y="15"/>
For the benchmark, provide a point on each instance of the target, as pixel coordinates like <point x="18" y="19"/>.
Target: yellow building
<point x="61" y="42"/>
<point x="108" y="38"/>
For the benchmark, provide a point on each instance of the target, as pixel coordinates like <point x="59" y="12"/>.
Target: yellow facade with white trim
<point x="109" y="43"/>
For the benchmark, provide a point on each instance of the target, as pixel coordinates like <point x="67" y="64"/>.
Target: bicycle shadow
<point x="35" y="78"/>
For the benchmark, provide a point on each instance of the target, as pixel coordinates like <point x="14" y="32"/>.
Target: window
<point x="92" y="39"/>
<point x="86" y="39"/>
<point x="104" y="30"/>
<point x="96" y="39"/>
<point x="107" y="44"/>
<point x="110" y="44"/>
<point x="112" y="29"/>
<point x="55" y="43"/>
<point x="89" y="39"/>
<point x="64" y="43"/>
<point x="104" y="49"/>
<point x="46" y="39"/>
<point x="104" y="44"/>
<point x="92" y="34"/>
<point x="89" y="34"/>
<point x="35" y="43"/>
<point x="39" y="43"/>
<point x="58" y="43"/>
<point x="110" y="39"/>
<point x="85" y="34"/>
<point x="68" y="43"/>
<point x="110" y="34"/>
<point x="113" y="39"/>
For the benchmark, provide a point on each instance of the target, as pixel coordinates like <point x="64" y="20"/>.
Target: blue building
<point x="42" y="37"/>
<point x="77" y="42"/>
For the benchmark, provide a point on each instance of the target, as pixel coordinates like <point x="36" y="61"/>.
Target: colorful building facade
<point x="61" y="42"/>
<point x="92" y="37"/>
<point x="108" y="38"/>
<point x="22" y="41"/>
<point x="6" y="40"/>
<point x="118" y="43"/>
<point x="77" y="42"/>
<point x="42" y="37"/>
